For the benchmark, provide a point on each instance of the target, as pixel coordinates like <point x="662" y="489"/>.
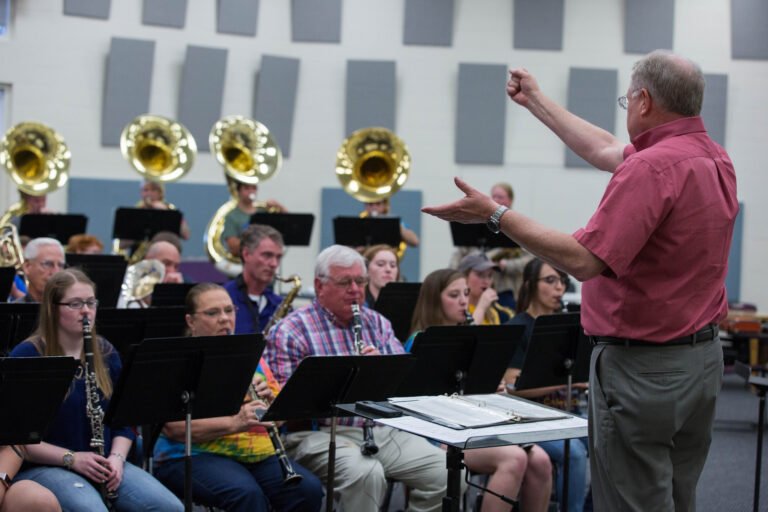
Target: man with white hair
<point x="43" y="257"/>
<point x="324" y="328"/>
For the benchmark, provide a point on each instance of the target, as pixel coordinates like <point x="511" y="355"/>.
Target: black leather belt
<point x="703" y="335"/>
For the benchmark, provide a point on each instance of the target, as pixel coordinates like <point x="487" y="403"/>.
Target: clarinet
<point x="93" y="408"/>
<point x="468" y="318"/>
<point x="368" y="447"/>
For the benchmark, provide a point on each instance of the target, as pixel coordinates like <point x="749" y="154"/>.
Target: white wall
<point x="55" y="65"/>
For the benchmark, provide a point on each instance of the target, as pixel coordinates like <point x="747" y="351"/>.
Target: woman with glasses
<point x="235" y="467"/>
<point x="541" y="294"/>
<point x="383" y="267"/>
<point x="64" y="462"/>
<point x="520" y="473"/>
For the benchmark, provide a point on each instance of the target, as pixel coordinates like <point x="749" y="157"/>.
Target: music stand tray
<point x="125" y="327"/>
<point x="106" y="270"/>
<point x="478" y="235"/>
<point x="144" y="223"/>
<point x="7" y="275"/>
<point x="296" y="228"/>
<point x="396" y="303"/>
<point x="53" y="225"/>
<point x="467" y="359"/>
<point x="36" y="386"/>
<point x="17" y="321"/>
<point x="366" y="231"/>
<point x="170" y="294"/>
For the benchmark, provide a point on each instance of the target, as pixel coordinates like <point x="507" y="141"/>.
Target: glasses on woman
<point x="78" y="304"/>
<point x="552" y="280"/>
<point x="216" y="312"/>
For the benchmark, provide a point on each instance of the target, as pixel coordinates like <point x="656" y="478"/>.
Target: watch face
<point x="69" y="459"/>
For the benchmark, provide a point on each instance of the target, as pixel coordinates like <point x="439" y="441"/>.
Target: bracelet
<point x="119" y="456"/>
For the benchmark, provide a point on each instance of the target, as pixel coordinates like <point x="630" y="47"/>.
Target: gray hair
<point x="337" y="256"/>
<point x="33" y="247"/>
<point x="252" y="236"/>
<point x="675" y="82"/>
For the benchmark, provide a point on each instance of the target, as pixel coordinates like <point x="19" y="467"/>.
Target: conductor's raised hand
<point x="521" y="86"/>
<point x="474" y="208"/>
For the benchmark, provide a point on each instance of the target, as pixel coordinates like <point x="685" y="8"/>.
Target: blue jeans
<point x="138" y="490"/>
<point x="225" y="483"/>
<point x="577" y="471"/>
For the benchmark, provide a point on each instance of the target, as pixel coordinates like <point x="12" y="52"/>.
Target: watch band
<point x="494" y="222"/>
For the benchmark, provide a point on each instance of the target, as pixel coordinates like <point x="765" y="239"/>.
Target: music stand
<point x="366" y="231"/>
<point x="461" y="359"/>
<point x="397" y="302"/>
<point x="125" y="327"/>
<point x="144" y="223"/>
<point x="7" y="275"/>
<point x="41" y="381"/>
<point x="478" y="235"/>
<point x="106" y="270"/>
<point x="52" y="225"/>
<point x="321" y="382"/>
<point x="17" y="321"/>
<point x="296" y="228"/>
<point x="170" y="294"/>
<point x="172" y="379"/>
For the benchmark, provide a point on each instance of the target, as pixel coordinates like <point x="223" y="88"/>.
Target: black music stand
<point x="125" y="327"/>
<point x="106" y="270"/>
<point x="170" y="294"/>
<point x="478" y="235"/>
<point x="321" y="382"/>
<point x="42" y="381"/>
<point x="172" y="379"/>
<point x="366" y="231"/>
<point x="397" y="302"/>
<point x="144" y="223"/>
<point x="7" y="275"/>
<point x="760" y="386"/>
<point x="17" y="321"/>
<point x="461" y="359"/>
<point x="296" y="228"/>
<point x="53" y="225"/>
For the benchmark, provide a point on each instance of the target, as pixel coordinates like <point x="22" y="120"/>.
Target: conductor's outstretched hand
<point x="474" y="208"/>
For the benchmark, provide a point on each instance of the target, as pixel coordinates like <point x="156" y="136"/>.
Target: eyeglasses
<point x="551" y="280"/>
<point x="624" y="100"/>
<point x="78" y="304"/>
<point x="347" y="281"/>
<point x="216" y="312"/>
<point x="52" y="265"/>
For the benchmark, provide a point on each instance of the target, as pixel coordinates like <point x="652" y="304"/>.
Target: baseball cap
<point x="478" y="262"/>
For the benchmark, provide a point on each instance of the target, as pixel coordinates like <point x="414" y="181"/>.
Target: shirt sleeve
<point x="112" y="358"/>
<point x="286" y="347"/>
<point x="387" y="343"/>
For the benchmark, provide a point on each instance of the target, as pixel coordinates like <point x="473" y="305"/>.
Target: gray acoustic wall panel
<point x="648" y="25"/>
<point x="538" y="24"/>
<point x="164" y="13"/>
<point x="481" y="114"/>
<point x="87" y="8"/>
<point x="316" y="21"/>
<point x="715" y="108"/>
<point x="202" y="90"/>
<point x="428" y="22"/>
<point x="733" y="277"/>
<point x="749" y="37"/>
<point x="127" y="86"/>
<point x="370" y="95"/>
<point x="592" y="95"/>
<point x="275" y="98"/>
<point x="237" y="17"/>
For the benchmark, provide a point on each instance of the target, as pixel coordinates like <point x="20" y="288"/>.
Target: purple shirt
<point x="315" y="331"/>
<point x="663" y="228"/>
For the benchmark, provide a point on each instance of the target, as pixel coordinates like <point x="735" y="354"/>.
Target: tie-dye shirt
<point x="247" y="447"/>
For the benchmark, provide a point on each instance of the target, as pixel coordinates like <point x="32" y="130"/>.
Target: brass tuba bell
<point x="249" y="154"/>
<point x="158" y="148"/>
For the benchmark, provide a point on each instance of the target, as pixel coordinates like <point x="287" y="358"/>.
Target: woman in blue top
<point x="64" y="462"/>
<point x="516" y="472"/>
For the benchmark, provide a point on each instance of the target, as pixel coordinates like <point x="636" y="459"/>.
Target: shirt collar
<point x="329" y="316"/>
<point x="674" y="128"/>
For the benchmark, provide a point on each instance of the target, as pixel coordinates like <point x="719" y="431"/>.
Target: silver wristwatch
<point x="493" y="223"/>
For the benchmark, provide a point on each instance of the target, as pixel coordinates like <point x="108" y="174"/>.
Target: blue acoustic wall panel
<point x="538" y="24"/>
<point x="275" y="98"/>
<point x="237" y="17"/>
<point x="481" y="114"/>
<point x="370" y="95"/>
<point x="202" y="91"/>
<point x="316" y="21"/>
<point x="88" y="8"/>
<point x="749" y="37"/>
<point x="733" y="278"/>
<point x="648" y="25"/>
<point x="715" y="108"/>
<point x="99" y="199"/>
<point x="164" y="13"/>
<point x="428" y="22"/>
<point x="406" y="204"/>
<point x="127" y="86"/>
<point x="592" y="95"/>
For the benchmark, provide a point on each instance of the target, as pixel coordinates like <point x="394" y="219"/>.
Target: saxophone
<point x="93" y="407"/>
<point x="285" y="307"/>
<point x="369" y="443"/>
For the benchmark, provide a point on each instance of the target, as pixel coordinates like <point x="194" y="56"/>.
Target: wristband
<point x="119" y="456"/>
